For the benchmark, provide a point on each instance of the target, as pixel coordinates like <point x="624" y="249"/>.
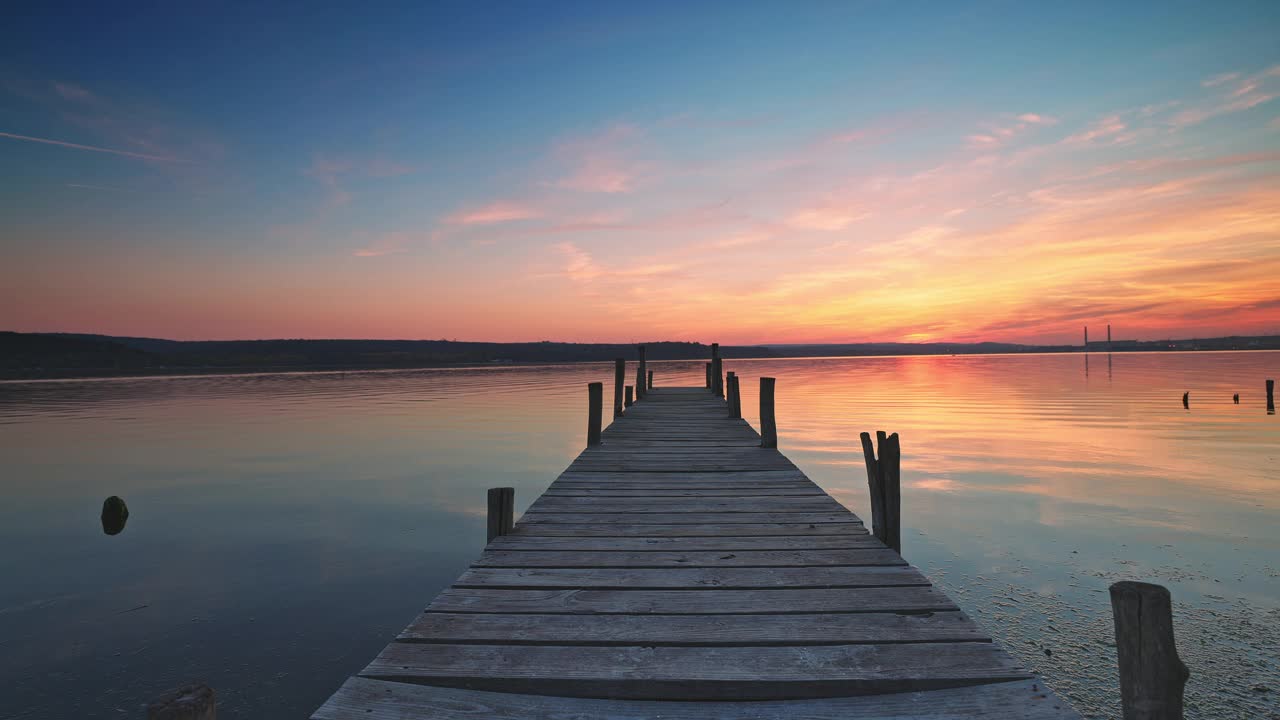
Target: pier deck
<point x="679" y="570"/>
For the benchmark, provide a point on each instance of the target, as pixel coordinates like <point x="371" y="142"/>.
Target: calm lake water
<point x="284" y="527"/>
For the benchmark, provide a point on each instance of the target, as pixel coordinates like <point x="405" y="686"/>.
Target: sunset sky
<point x="739" y="172"/>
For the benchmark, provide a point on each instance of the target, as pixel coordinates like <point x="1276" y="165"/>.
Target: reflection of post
<point x="1086" y="364"/>
<point x="1108" y="365"/>
<point x="1151" y="673"/>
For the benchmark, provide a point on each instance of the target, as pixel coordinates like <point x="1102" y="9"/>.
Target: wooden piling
<point x="1236" y="398"/>
<point x="717" y="371"/>
<point x="768" y="424"/>
<point x="1151" y="673"/>
<point x="619" y="378"/>
<point x="595" y="408"/>
<point x="650" y="380"/>
<point x="884" y="479"/>
<point x="1271" y="396"/>
<point x="502" y="507"/>
<point x="641" y="370"/>
<point x="1186" y="400"/>
<point x="189" y="702"/>
<point x="630" y="399"/>
<point x="708" y="376"/>
<point x="729" y="378"/>
<point x="737" y="396"/>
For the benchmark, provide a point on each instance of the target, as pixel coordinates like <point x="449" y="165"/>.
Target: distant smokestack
<point x="1108" y="337"/>
<point x="1086" y="337"/>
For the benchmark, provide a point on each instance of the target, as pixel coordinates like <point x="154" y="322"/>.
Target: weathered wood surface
<point x="1152" y="675"/>
<point x="365" y="699"/>
<point x="678" y="560"/>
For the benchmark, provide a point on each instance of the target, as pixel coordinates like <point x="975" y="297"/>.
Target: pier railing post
<point x="708" y="376"/>
<point x="650" y="380"/>
<point x="768" y="425"/>
<point x="502" y="508"/>
<point x="731" y="393"/>
<point x="630" y="401"/>
<point x="619" y="378"/>
<point x="1151" y="673"/>
<point x="641" y="369"/>
<point x="884" y="479"/>
<point x="595" y="408"/>
<point x="189" y="702"/>
<point x="717" y="371"/>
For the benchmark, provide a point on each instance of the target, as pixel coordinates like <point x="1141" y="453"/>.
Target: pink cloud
<point x="601" y="163"/>
<point x="1107" y="127"/>
<point x="493" y="213"/>
<point x="994" y="134"/>
<point x="1243" y="93"/>
<point x="825" y="218"/>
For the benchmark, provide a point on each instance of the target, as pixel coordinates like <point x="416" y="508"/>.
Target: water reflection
<point x="294" y="523"/>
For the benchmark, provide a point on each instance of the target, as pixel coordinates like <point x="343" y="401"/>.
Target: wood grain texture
<point x="736" y="578"/>
<point x="677" y="630"/>
<point x="365" y="699"/>
<point x="692" y="602"/>
<point x="696" y="673"/>
<point x="666" y="559"/>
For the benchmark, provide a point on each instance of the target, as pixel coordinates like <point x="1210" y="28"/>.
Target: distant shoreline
<point x="68" y="374"/>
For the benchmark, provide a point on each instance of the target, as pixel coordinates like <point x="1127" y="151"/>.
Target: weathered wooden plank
<point x="734" y="578"/>
<point x="742" y="529"/>
<point x="695" y="518"/>
<point x="596" y="491"/>
<point x="868" y="556"/>
<point x="665" y="505"/>
<point x="366" y="699"/>
<point x="692" y="602"/>
<point x="719" y="544"/>
<point x="697" y="673"/>
<point x="692" y="630"/>
<point x="742" y="477"/>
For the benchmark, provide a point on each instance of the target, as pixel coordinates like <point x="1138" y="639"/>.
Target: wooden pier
<point x="680" y="570"/>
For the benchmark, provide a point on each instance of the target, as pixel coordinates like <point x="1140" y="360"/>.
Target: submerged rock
<point x="114" y="515"/>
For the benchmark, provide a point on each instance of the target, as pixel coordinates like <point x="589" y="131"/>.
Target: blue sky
<point x="413" y="170"/>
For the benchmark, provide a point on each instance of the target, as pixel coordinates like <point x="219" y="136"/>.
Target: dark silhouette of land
<point x="37" y="355"/>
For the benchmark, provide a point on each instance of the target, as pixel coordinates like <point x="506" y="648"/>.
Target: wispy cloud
<point x="601" y="163"/>
<point x="1241" y="93"/>
<point x="92" y="148"/>
<point x="995" y="134"/>
<point x="493" y="213"/>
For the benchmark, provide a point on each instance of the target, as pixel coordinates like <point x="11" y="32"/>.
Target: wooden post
<point x="189" y="702"/>
<point x="650" y="381"/>
<point x="595" y="407"/>
<point x="1151" y="673"/>
<point x="1236" y="398"/>
<point x="717" y="371"/>
<point x="728" y="391"/>
<point x="630" y="402"/>
<point x="737" y="396"/>
<point x="502" y="508"/>
<point x="641" y="371"/>
<point x="768" y="425"/>
<point x="1186" y="400"/>
<point x="619" y="378"/>
<point x="884" y="479"/>
<point x="708" y="376"/>
<point x="1271" y="396"/>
